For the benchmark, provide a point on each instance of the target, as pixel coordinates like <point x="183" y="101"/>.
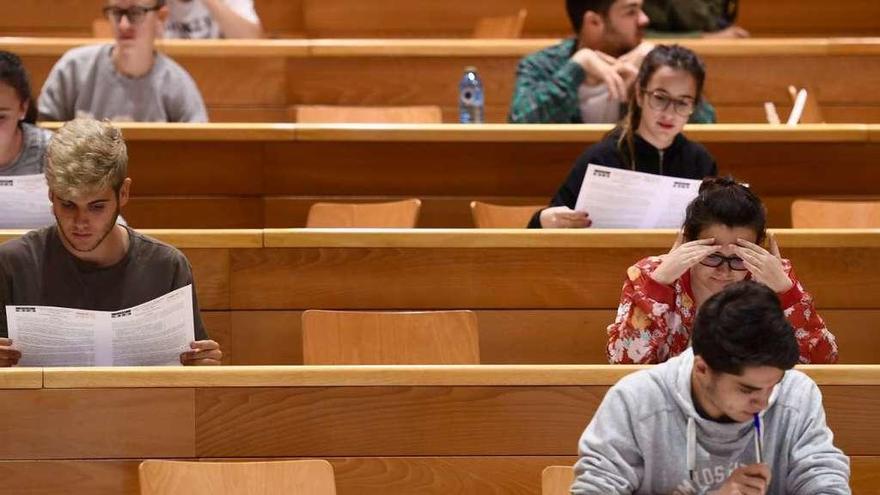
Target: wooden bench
<point x="268" y="175"/>
<point x="446" y="18"/>
<point x="540" y="297"/>
<point x="264" y="79"/>
<point x="386" y="430"/>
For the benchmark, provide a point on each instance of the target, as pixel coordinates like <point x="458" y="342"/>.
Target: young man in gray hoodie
<point x="691" y="425"/>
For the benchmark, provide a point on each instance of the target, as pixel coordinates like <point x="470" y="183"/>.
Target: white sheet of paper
<point x="24" y="202"/>
<point x="623" y="199"/>
<point x="154" y="333"/>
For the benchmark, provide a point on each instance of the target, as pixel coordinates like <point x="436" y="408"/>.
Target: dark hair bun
<point x="715" y="183"/>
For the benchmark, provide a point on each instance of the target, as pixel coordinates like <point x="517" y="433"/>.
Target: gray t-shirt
<point x="85" y="83"/>
<point x="33" y="149"/>
<point x="37" y="270"/>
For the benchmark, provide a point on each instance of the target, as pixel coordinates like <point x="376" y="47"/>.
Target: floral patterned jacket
<point x="654" y="321"/>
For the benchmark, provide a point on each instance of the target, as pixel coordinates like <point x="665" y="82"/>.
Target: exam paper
<point x="150" y="334"/>
<point x="24" y="202"/>
<point x="624" y="199"/>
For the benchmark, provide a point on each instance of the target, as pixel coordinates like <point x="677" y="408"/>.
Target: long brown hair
<point x="674" y="56"/>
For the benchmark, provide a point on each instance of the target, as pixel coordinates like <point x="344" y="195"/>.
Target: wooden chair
<point x="489" y="216"/>
<point x="557" y="480"/>
<point x="395" y="214"/>
<point x="827" y="214"/>
<point x="508" y="26"/>
<point x="316" y="114"/>
<point x="308" y="477"/>
<point x="387" y="337"/>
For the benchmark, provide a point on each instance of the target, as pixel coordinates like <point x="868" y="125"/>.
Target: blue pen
<point x="759" y="444"/>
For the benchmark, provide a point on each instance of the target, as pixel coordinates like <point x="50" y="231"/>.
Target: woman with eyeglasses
<point x="667" y="90"/>
<point x="719" y="244"/>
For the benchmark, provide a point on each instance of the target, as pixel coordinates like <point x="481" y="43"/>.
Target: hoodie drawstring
<point x="692" y="448"/>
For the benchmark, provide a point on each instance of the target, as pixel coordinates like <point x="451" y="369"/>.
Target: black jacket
<point x="683" y="158"/>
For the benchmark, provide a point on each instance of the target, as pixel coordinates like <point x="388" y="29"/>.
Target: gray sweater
<point x="638" y="440"/>
<point x="85" y="83"/>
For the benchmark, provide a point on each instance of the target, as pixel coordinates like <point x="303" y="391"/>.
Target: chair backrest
<point x="827" y="214"/>
<point x="393" y="215"/>
<point x="316" y="114"/>
<point x="557" y="480"/>
<point x="101" y="28"/>
<point x="508" y="26"/>
<point x="387" y="337"/>
<point x="307" y="477"/>
<point x="489" y="216"/>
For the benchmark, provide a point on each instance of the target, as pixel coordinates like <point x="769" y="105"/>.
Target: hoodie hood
<point x="715" y="438"/>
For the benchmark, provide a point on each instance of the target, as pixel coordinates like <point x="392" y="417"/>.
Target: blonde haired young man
<point x="86" y="260"/>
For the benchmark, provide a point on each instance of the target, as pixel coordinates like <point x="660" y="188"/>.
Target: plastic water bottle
<point x="470" y="97"/>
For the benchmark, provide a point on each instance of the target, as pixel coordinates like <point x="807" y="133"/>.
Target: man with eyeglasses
<point x="587" y="78"/>
<point x="204" y="19"/>
<point x="124" y="81"/>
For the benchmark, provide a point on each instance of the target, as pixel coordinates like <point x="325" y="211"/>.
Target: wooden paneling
<point x="439" y="18"/>
<point x="211" y="275"/>
<point x="449" y="278"/>
<point x="508" y="475"/>
<point x="420" y="421"/>
<point x="195" y="212"/>
<point x="72" y="477"/>
<point x="506" y="336"/>
<point x="428" y="278"/>
<point x="70" y="424"/>
<point x="501" y="475"/>
<point x="392" y="421"/>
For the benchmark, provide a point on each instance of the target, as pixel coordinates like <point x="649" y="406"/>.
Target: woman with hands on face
<point x="719" y="244"/>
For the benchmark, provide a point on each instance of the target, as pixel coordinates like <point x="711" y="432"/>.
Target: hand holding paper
<point x="563" y="217"/>
<point x="203" y="353"/>
<point x="9" y="355"/>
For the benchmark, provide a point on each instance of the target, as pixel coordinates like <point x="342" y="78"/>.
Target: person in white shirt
<point x="205" y="19"/>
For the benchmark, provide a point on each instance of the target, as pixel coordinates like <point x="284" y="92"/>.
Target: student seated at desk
<point x="649" y="139"/>
<point x="22" y="143"/>
<point x="719" y="245"/>
<point x="202" y="19"/>
<point x="729" y="416"/>
<point x="126" y="81"/>
<point x="586" y="78"/>
<point x="86" y="260"/>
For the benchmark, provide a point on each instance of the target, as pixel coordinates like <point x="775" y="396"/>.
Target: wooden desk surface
<point x="862" y="46"/>
<point x="190" y="238"/>
<point x="391" y="376"/>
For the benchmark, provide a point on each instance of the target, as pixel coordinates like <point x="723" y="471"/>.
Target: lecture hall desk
<point x="261" y="80"/>
<point x="540" y="297"/>
<point x="267" y="175"/>
<point x="386" y="430"/>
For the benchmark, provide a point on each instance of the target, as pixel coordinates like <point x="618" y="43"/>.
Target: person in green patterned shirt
<point x="587" y="78"/>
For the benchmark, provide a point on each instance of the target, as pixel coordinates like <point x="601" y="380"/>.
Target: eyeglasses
<point x="660" y="101"/>
<point x="716" y="260"/>
<point x="135" y="14"/>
